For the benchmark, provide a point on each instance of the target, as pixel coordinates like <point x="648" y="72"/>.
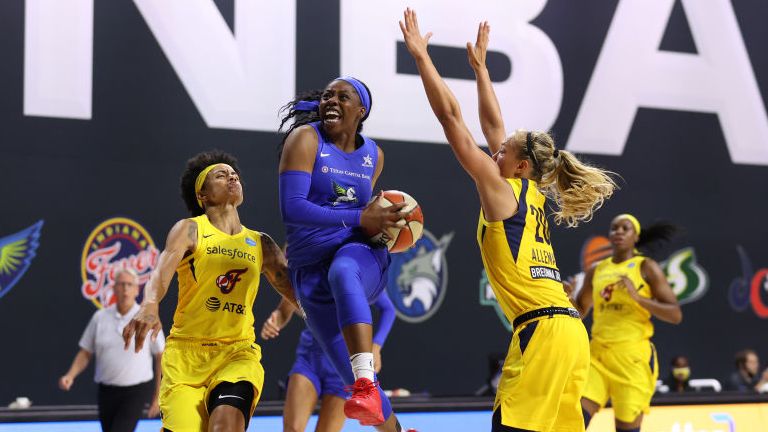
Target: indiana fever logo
<point x="418" y="278"/>
<point x="16" y="253"/>
<point x="228" y="280"/>
<point x="117" y="243"/>
<point x="749" y="289"/>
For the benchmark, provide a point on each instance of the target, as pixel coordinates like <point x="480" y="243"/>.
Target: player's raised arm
<point x="491" y="120"/>
<point x="181" y="239"/>
<point x="495" y="194"/>
<point x="444" y="103"/>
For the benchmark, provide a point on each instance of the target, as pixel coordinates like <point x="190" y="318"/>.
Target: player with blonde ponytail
<point x="548" y="360"/>
<point x="577" y="188"/>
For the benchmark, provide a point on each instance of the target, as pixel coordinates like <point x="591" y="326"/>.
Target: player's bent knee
<point x="237" y="395"/>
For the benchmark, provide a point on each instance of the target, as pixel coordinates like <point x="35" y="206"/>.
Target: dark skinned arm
<point x="181" y="239"/>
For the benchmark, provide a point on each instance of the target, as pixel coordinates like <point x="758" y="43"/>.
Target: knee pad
<point x="239" y="395"/>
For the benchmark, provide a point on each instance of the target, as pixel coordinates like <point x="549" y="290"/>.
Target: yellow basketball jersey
<point x="518" y="257"/>
<point x="218" y="283"/>
<point x="617" y="317"/>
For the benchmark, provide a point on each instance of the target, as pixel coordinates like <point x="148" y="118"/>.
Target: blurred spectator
<point x="747" y="376"/>
<point x="679" y="375"/>
<point x="124" y="376"/>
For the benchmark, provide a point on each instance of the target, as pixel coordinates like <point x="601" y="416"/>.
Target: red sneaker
<point x="365" y="403"/>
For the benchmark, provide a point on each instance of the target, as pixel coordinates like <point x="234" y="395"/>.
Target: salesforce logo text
<point x="231" y="253"/>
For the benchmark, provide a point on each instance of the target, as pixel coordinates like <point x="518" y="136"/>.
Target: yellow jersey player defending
<point x="212" y="373"/>
<point x="625" y="290"/>
<point x="548" y="360"/>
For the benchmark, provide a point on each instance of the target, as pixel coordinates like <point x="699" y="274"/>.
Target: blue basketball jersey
<point x="339" y="181"/>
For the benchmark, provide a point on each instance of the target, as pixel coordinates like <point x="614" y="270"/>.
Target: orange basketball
<point x="409" y="229"/>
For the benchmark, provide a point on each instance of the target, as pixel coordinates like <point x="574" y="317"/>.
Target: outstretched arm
<point x="444" y="104"/>
<point x="491" y="120"/>
<point x="496" y="196"/>
<point x="181" y="239"/>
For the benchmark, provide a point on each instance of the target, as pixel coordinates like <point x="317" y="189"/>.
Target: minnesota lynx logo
<point x="342" y="195"/>
<point x="488" y="298"/>
<point x="418" y="278"/>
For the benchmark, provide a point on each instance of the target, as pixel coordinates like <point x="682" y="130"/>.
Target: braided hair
<point x="296" y="117"/>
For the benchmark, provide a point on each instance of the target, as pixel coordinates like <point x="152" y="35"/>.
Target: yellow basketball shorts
<point x="626" y="374"/>
<point x="543" y="376"/>
<point x="192" y="369"/>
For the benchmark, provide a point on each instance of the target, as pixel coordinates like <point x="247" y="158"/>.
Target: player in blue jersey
<point x="312" y="377"/>
<point x="327" y="173"/>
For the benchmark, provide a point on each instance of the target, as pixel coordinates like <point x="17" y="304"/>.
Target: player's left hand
<point x="376" y="358"/>
<point x="631" y="289"/>
<point x="476" y="53"/>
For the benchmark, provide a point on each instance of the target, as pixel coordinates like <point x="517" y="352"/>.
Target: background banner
<point x="103" y="102"/>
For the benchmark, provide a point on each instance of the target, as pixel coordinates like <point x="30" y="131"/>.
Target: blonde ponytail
<point x="577" y="189"/>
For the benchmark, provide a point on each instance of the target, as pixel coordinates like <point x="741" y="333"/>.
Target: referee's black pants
<point x="120" y="407"/>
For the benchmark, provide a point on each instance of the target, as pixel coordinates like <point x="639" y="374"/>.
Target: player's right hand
<point x="271" y="327"/>
<point x="65" y="382"/>
<point x="414" y="41"/>
<point x="376" y="218"/>
<point x="146" y="320"/>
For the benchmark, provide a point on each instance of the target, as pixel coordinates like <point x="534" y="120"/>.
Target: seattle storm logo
<point x="418" y="278"/>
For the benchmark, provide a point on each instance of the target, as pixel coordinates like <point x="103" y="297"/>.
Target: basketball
<point x="409" y="229"/>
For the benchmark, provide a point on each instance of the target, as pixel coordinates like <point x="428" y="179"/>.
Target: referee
<point x="124" y="377"/>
